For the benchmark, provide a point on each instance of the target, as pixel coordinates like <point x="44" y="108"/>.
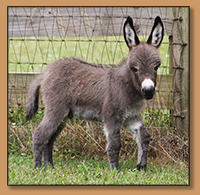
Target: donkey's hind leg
<point x="44" y="132"/>
<point x="49" y="146"/>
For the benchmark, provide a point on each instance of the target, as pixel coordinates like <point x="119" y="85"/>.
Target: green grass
<point x="88" y="171"/>
<point x="33" y="56"/>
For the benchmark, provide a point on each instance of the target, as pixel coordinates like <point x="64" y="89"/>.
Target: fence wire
<point x="38" y="36"/>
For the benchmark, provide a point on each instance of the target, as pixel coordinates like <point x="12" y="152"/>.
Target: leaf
<point x="152" y="181"/>
<point x="85" y="170"/>
<point x="12" y="175"/>
<point x="60" y="181"/>
<point x="97" y="170"/>
<point x="104" y="180"/>
<point x="126" y="142"/>
<point x="111" y="175"/>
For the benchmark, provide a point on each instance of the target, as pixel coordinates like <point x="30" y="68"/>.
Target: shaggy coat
<point x="113" y="95"/>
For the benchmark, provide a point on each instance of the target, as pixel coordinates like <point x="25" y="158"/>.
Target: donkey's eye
<point x="134" y="69"/>
<point x="156" y="67"/>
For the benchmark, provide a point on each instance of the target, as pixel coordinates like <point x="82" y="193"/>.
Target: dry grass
<point x="80" y="138"/>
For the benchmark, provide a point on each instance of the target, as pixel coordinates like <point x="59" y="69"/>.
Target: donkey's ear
<point x="130" y="35"/>
<point x="157" y="33"/>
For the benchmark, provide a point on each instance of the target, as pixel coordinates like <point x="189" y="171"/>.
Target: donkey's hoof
<point x="38" y="165"/>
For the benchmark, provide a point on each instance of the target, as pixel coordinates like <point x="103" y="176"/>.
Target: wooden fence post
<point x="181" y="68"/>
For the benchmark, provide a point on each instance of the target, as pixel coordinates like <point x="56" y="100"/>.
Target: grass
<point x="94" y="171"/>
<point x="80" y="158"/>
<point x="31" y="55"/>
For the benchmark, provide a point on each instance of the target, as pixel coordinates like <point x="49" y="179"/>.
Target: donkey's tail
<point x="33" y="97"/>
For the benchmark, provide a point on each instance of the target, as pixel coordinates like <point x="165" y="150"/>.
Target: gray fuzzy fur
<point x="113" y="95"/>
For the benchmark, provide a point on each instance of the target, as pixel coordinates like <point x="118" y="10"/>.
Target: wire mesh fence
<point x="38" y="36"/>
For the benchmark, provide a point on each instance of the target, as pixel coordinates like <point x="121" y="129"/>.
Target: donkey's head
<point x="144" y="58"/>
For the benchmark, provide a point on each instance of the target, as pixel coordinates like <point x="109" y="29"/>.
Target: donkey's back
<point x="78" y="86"/>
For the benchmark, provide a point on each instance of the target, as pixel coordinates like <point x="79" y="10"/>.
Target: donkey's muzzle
<point x="148" y="93"/>
<point x="148" y="89"/>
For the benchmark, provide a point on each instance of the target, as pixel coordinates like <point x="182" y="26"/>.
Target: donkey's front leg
<point x="113" y="145"/>
<point x="142" y="139"/>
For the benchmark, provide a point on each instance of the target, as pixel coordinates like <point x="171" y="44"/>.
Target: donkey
<point x="113" y="95"/>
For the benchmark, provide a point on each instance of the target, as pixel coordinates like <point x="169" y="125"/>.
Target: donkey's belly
<point x="87" y="114"/>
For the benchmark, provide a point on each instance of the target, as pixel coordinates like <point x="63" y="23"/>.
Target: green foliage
<point x="157" y="117"/>
<point x="88" y="171"/>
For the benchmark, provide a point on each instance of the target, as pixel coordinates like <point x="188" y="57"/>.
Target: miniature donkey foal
<point x="113" y="95"/>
